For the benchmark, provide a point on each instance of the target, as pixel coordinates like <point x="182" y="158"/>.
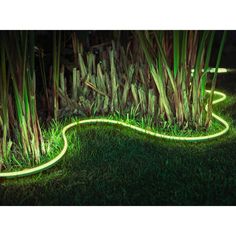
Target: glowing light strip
<point x="220" y="70"/>
<point x="49" y="164"/>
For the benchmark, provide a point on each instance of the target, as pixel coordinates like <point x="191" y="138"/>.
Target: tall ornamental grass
<point x="172" y="56"/>
<point x="19" y="119"/>
<point x="157" y="77"/>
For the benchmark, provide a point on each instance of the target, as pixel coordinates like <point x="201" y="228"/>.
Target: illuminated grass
<point x="53" y="161"/>
<point x="111" y="165"/>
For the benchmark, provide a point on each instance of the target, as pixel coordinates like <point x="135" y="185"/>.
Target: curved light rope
<point x="52" y="162"/>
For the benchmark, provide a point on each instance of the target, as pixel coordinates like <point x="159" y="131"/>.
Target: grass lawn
<point x="110" y="165"/>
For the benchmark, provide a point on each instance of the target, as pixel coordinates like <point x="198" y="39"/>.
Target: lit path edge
<point x="52" y="162"/>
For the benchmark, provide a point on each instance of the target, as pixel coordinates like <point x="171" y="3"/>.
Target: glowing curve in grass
<point x="52" y="162"/>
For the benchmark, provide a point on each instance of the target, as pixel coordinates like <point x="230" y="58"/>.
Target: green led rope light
<point x="49" y="164"/>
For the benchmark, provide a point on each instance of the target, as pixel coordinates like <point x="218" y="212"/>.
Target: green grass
<point x="53" y="144"/>
<point x="110" y="165"/>
<point x="53" y="138"/>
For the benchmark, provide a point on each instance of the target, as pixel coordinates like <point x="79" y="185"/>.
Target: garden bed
<point x="110" y="165"/>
